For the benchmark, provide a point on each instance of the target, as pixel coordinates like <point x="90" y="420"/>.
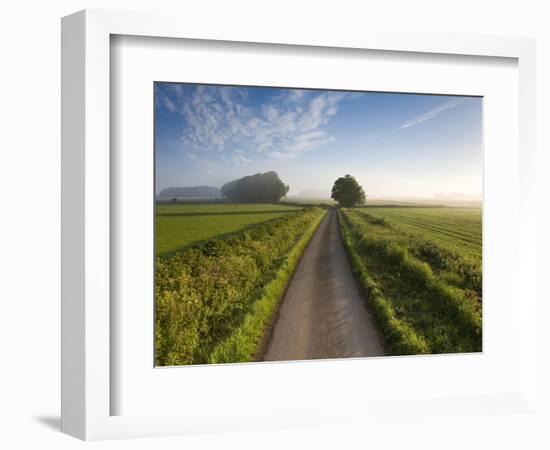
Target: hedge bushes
<point x="205" y="294"/>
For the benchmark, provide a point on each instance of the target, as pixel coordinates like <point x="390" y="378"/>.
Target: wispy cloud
<point x="223" y="121"/>
<point x="432" y="113"/>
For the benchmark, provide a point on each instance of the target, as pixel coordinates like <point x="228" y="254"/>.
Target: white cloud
<point x="221" y="121"/>
<point x="280" y="156"/>
<point x="192" y="156"/>
<point x="270" y="112"/>
<point x="432" y="113"/>
<point x="164" y="100"/>
<point x="239" y="159"/>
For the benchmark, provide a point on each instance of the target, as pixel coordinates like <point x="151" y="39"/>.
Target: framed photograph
<point x="262" y="235"/>
<point x="253" y="217"/>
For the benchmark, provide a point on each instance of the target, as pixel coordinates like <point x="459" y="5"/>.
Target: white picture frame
<point x="87" y="386"/>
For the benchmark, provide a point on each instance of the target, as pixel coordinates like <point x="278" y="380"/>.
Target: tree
<point x="259" y="188"/>
<point x="347" y="192"/>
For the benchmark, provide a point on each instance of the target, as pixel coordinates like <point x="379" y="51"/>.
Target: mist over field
<point x="398" y="146"/>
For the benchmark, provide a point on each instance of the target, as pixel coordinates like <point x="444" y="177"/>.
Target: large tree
<point x="259" y="188"/>
<point x="347" y="192"/>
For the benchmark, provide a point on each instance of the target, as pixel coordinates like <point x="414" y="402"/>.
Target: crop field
<point x="457" y="229"/>
<point x="180" y="225"/>
<point x="421" y="271"/>
<point x="215" y="300"/>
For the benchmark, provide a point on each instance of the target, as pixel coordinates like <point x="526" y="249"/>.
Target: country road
<point x="322" y="314"/>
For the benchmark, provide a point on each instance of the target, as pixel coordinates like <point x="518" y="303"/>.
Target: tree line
<point x="259" y="188"/>
<point x="269" y="188"/>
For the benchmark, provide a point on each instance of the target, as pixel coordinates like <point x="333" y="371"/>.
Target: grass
<point x="224" y="269"/>
<point x="242" y="344"/>
<point x="448" y="239"/>
<point x="214" y="301"/>
<point x="456" y="229"/>
<point x="421" y="270"/>
<point x="181" y="225"/>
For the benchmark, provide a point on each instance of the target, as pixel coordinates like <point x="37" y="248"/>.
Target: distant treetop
<point x="259" y="188"/>
<point x="347" y="192"/>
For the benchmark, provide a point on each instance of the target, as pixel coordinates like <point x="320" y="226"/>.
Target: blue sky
<point x="396" y="145"/>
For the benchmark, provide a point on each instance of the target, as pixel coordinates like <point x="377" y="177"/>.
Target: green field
<point x="180" y="225"/>
<point x="214" y="301"/>
<point x="421" y="269"/>
<point x="223" y="269"/>
<point x="457" y="229"/>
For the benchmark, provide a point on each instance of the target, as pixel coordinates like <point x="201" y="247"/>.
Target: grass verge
<point x="400" y="338"/>
<point x="417" y="311"/>
<point x="242" y="345"/>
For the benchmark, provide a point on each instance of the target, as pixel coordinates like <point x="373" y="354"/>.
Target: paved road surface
<point x="322" y="314"/>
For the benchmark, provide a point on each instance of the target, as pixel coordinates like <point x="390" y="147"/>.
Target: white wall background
<point x="29" y="224"/>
